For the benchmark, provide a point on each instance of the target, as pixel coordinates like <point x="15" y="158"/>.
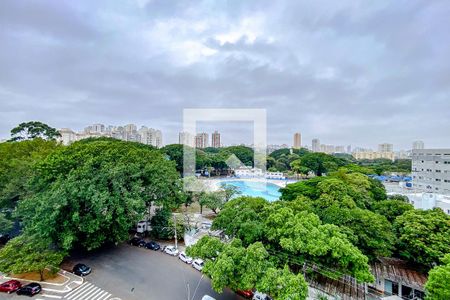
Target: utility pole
<point x="175" y="228"/>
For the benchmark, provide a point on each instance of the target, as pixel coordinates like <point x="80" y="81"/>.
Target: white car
<point x="198" y="264"/>
<point x="207" y="297"/>
<point x="171" y="250"/>
<point x="184" y="258"/>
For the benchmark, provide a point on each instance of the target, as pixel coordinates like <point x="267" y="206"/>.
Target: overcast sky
<point x="347" y="72"/>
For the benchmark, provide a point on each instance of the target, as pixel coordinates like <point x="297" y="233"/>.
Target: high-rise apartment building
<point x="186" y="138"/>
<point x="315" y="145"/>
<point x="385" y="147"/>
<point x="150" y="136"/>
<point x="431" y="170"/>
<point x="215" y="139"/>
<point x="297" y="140"/>
<point x="418" y="145"/>
<point x="201" y="140"/>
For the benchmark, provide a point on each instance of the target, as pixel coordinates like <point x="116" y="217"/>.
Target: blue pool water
<point x="268" y="191"/>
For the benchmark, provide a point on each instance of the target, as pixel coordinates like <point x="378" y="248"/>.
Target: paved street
<point x="133" y="273"/>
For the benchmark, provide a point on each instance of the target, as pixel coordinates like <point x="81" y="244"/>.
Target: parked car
<point x="152" y="245"/>
<point x="198" y="264"/>
<point x="137" y="241"/>
<point x="261" y="296"/>
<point x="4" y="238"/>
<point x="171" y="250"/>
<point x="184" y="258"/>
<point x="10" y="286"/>
<point x="81" y="270"/>
<point x="207" y="297"/>
<point x="245" y="293"/>
<point x="30" y="289"/>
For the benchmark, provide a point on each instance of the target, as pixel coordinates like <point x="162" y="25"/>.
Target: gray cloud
<point x="348" y="72"/>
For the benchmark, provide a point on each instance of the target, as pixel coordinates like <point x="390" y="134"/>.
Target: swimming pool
<point x="268" y="191"/>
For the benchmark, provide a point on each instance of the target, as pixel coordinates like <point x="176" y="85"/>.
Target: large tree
<point x="242" y="217"/>
<point x="94" y="191"/>
<point x="237" y="267"/>
<point x="438" y="284"/>
<point x="32" y="130"/>
<point x="423" y="236"/>
<point x="29" y="254"/>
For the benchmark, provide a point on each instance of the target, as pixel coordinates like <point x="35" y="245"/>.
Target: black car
<point x="152" y="245"/>
<point x="30" y="289"/>
<point x="137" y="242"/>
<point x="81" y="270"/>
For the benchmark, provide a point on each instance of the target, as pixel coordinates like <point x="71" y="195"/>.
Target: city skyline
<point x="80" y="65"/>
<point x="207" y="140"/>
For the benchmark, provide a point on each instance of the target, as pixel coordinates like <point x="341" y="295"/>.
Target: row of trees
<point x="339" y="223"/>
<point x="294" y="161"/>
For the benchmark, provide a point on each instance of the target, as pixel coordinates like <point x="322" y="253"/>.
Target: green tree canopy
<point x="94" y="191"/>
<point x="438" y="284"/>
<point x="392" y="208"/>
<point x="237" y="267"/>
<point x="29" y="254"/>
<point x="5" y="224"/>
<point x="303" y="235"/>
<point x="242" y="217"/>
<point x="423" y="236"/>
<point x="16" y="167"/>
<point x="32" y="130"/>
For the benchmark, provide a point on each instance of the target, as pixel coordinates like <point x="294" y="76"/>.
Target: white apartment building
<point x="67" y="136"/>
<point x="373" y="155"/>
<point x="385" y="147"/>
<point x="315" y="145"/>
<point x="418" y="145"/>
<point x="148" y="136"/>
<point x="431" y="170"/>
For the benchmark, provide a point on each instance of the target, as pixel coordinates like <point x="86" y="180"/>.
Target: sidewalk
<point x="71" y="282"/>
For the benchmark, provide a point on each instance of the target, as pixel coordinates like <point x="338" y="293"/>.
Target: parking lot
<point x="131" y="273"/>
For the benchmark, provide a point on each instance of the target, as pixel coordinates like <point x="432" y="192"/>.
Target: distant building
<point x="186" y="138"/>
<point x="215" y="139"/>
<point x="201" y="140"/>
<point x="67" y="136"/>
<point x="431" y="170"/>
<point x="315" y="145"/>
<point x="148" y="136"/>
<point x="297" y="140"/>
<point x="418" y="145"/>
<point x="349" y="149"/>
<point x="339" y="149"/>
<point x="385" y="147"/>
<point x="373" y="155"/>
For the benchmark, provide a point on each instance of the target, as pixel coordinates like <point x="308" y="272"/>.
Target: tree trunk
<point x="41" y="273"/>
